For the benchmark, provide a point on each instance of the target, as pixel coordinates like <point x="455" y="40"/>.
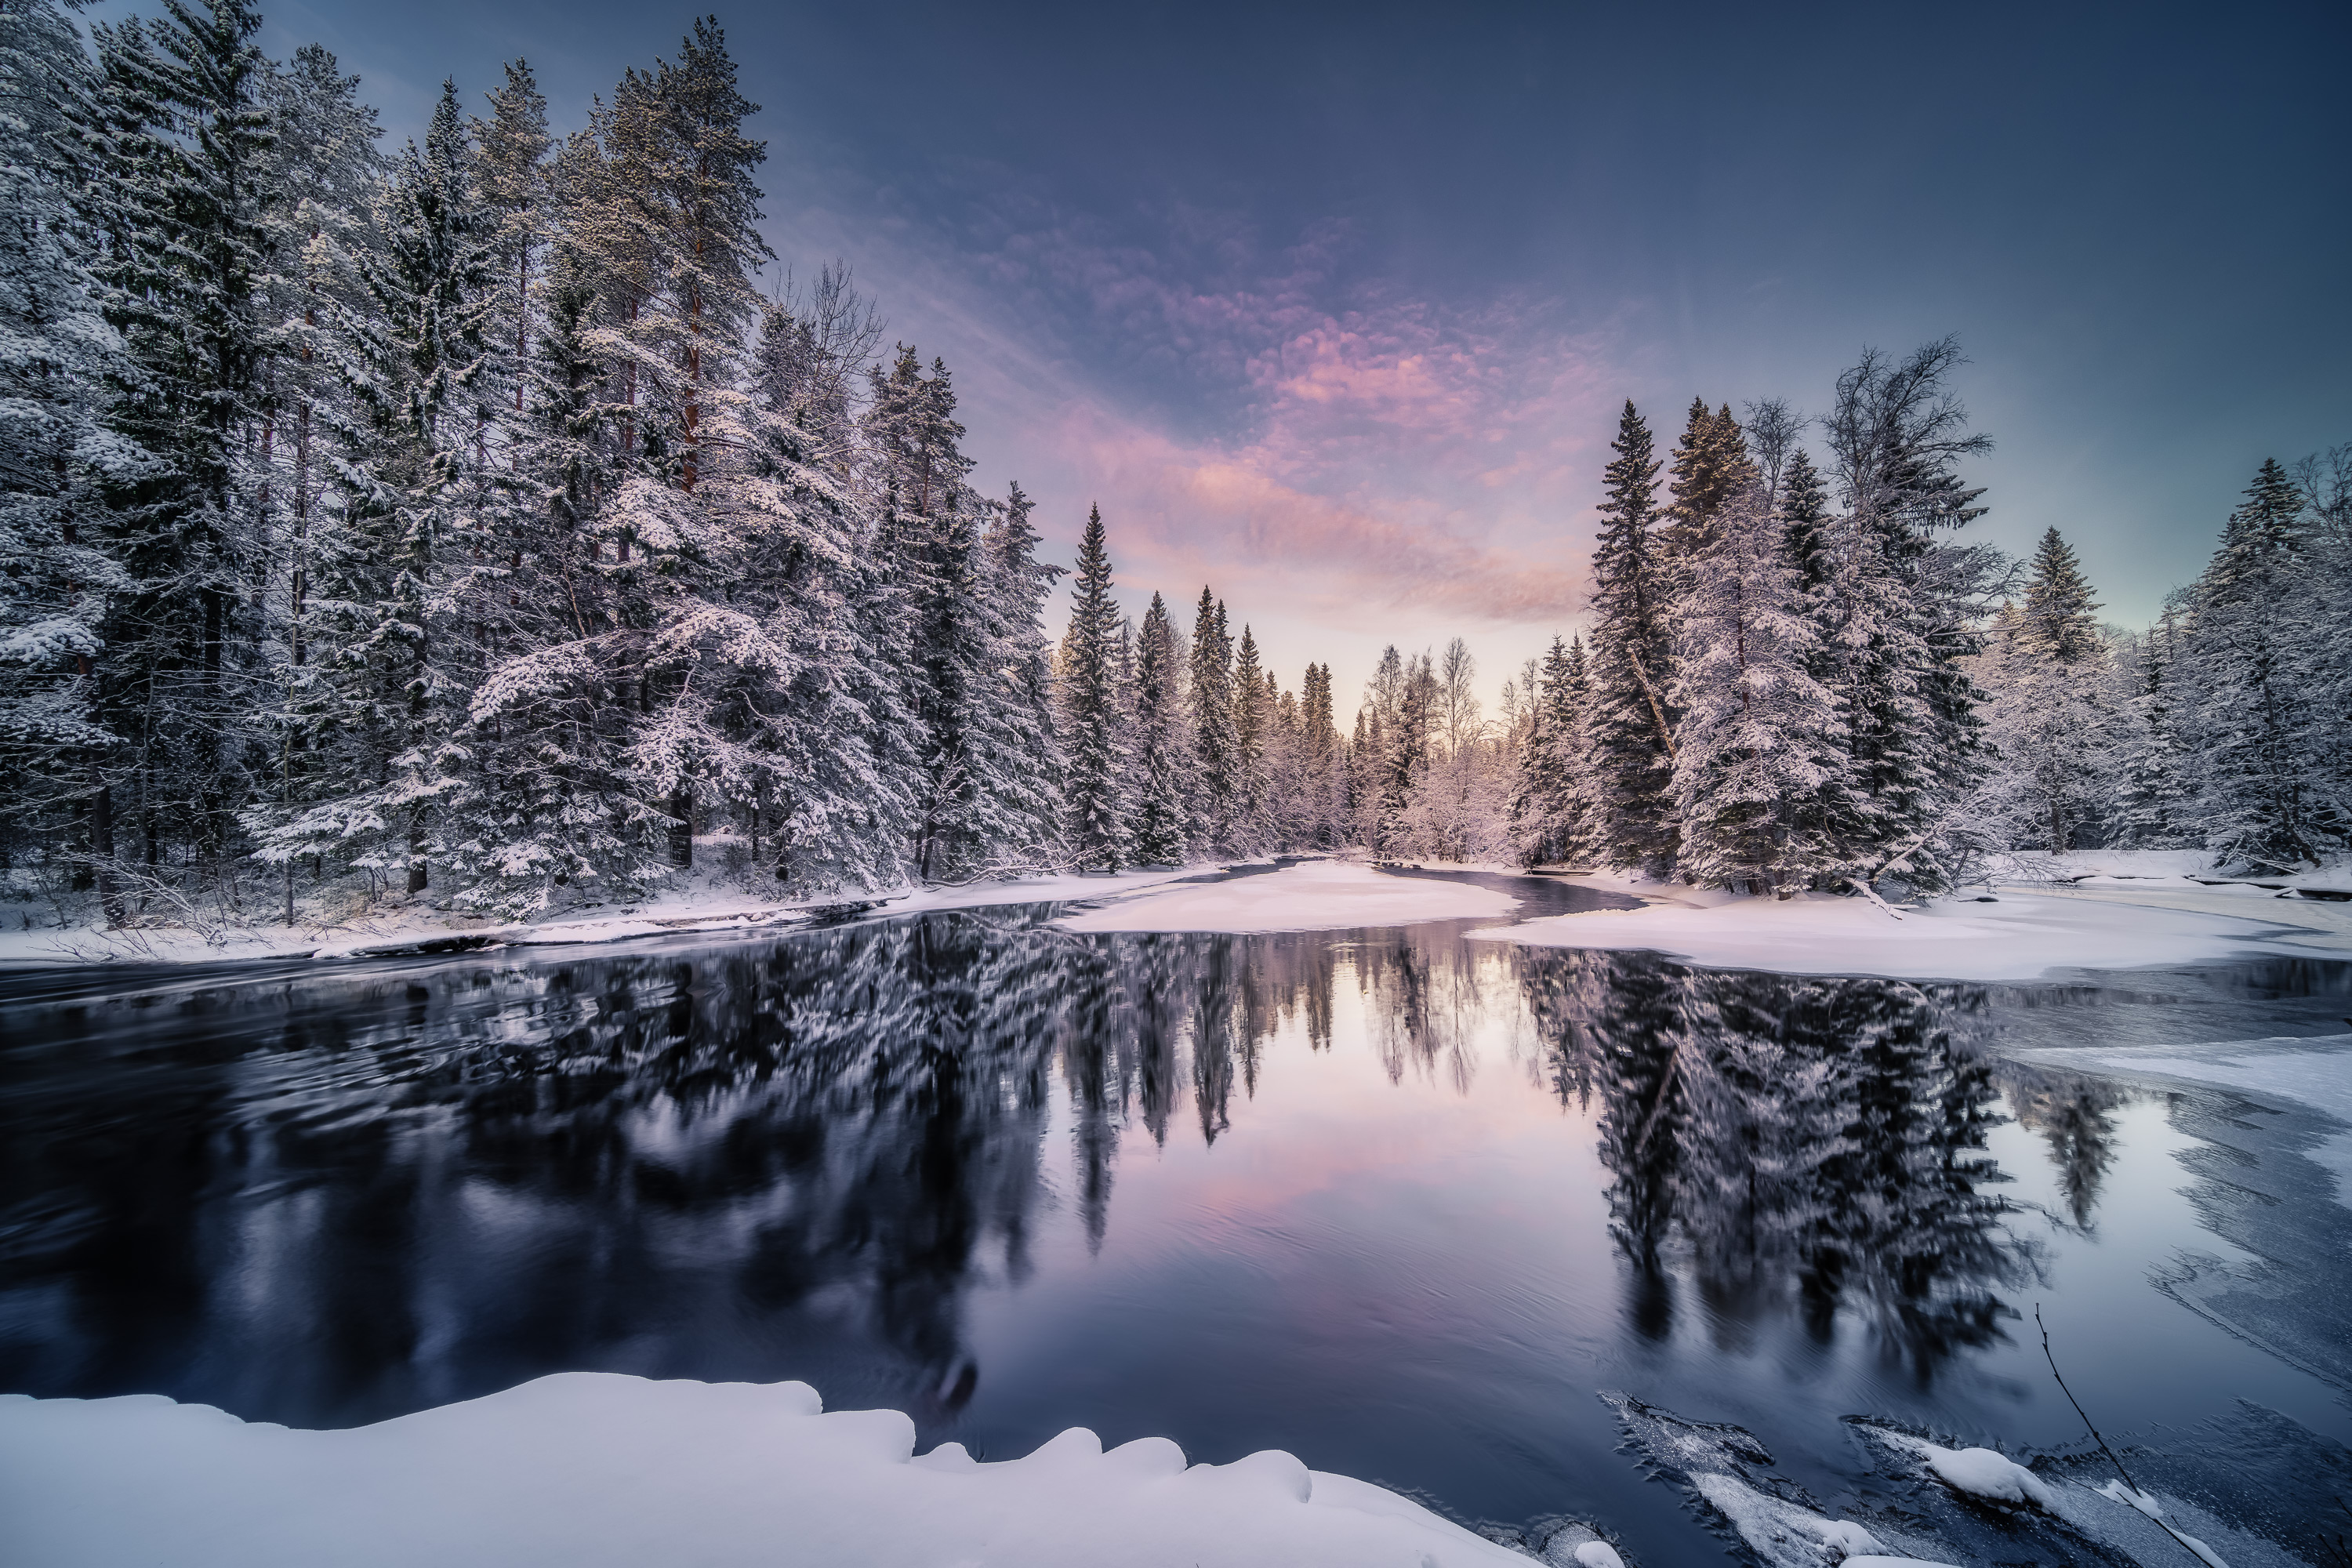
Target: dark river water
<point x="1399" y="1202"/>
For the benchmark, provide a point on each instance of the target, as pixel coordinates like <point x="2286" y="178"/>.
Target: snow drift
<point x="1319" y="895"/>
<point x="588" y="1469"/>
<point x="2019" y="937"/>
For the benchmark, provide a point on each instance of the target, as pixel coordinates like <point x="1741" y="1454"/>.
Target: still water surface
<point x="1396" y="1201"/>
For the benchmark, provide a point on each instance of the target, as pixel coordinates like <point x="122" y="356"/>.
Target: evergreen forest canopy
<point x="464" y="522"/>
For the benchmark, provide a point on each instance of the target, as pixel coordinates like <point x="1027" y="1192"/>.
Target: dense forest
<point x="466" y="523"/>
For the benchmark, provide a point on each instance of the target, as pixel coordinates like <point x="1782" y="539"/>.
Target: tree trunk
<point x="681" y="829"/>
<point x="102" y="847"/>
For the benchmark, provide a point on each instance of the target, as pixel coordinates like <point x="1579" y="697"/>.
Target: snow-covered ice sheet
<point x="2286" y="1068"/>
<point x="591" y="1469"/>
<point x="2020" y="937"/>
<point x="1318" y="895"/>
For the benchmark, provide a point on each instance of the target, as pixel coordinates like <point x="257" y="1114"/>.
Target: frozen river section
<point x="1398" y="1203"/>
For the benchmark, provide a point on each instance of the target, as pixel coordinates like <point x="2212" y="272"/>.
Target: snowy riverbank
<point x="696" y="907"/>
<point x="2022" y="936"/>
<point x="593" y="1468"/>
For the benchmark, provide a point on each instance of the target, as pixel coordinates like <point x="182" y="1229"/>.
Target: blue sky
<point x="1333" y="307"/>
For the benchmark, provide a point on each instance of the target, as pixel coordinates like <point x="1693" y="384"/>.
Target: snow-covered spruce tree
<point x="1758" y="766"/>
<point x="1212" y="805"/>
<point x="1709" y="466"/>
<point x="393" y="566"/>
<point x="2152" y="811"/>
<point x="2323" y="604"/>
<point x="327" y="172"/>
<point x="1032" y="770"/>
<point x="2051" y="723"/>
<point x="1159" y="822"/>
<point x="1629" y="723"/>
<point x="171" y="154"/>
<point x="511" y="170"/>
<point x="672" y="228"/>
<point x="805" y="737"/>
<point x="980" y="804"/>
<point x="1252" y="829"/>
<point x="1327" y="763"/>
<point x="1907" y="604"/>
<point x="1550" y="812"/>
<point x="548" y="728"/>
<point x="60" y="364"/>
<point x="1094" y="810"/>
<point x="1286" y="793"/>
<point x="1408" y="735"/>
<point x="2246" y="665"/>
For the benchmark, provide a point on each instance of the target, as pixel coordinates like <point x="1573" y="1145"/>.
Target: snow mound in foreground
<point x="1320" y="895"/>
<point x="594" y="1468"/>
<point x="2020" y="937"/>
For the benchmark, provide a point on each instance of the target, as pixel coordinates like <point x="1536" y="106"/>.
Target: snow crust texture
<point x="600" y="1470"/>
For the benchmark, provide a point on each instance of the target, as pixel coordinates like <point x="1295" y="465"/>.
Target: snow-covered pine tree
<point x="1759" y="765"/>
<point x="1032" y="770"/>
<point x="2153" y="811"/>
<point x="59" y="754"/>
<point x="511" y="168"/>
<point x="1159" y="822"/>
<point x="1549" y="813"/>
<point x="173" y="150"/>
<point x="1709" y="466"/>
<point x="1907" y="603"/>
<point x="1408" y="726"/>
<point x="2323" y="606"/>
<point x="1212" y="805"/>
<point x="1327" y="766"/>
<point x="397" y="664"/>
<point x="1094" y="810"/>
<point x="983" y="802"/>
<point x="549" y="729"/>
<point x="1251" y="831"/>
<point x="327" y="172"/>
<point x="1289" y="797"/>
<point x="2250" y="715"/>
<point x="1629" y="723"/>
<point x="2052" y="728"/>
<point x="672" y="226"/>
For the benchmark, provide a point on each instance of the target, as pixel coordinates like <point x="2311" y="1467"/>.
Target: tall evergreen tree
<point x="1160" y="823"/>
<point x="1759" y="772"/>
<point x="1550" y="809"/>
<point x="1907" y="601"/>
<point x="1213" y="805"/>
<point x="1252" y="720"/>
<point x="173" y="150"/>
<point x="2251" y="714"/>
<point x="1094" y="805"/>
<point x="1629" y="724"/>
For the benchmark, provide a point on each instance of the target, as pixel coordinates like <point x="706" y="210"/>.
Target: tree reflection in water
<point x="335" y="1200"/>
<point x="1798" y="1144"/>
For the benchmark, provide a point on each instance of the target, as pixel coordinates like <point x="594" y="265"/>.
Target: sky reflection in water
<point x="1394" y="1201"/>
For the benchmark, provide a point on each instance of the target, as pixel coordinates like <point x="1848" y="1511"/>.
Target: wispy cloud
<point x="1335" y="453"/>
